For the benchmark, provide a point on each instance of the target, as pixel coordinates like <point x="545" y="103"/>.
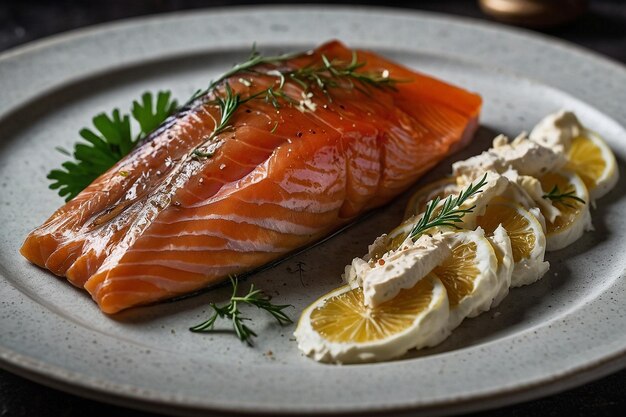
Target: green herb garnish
<point x="333" y="73"/>
<point x="253" y="60"/>
<point x="557" y="196"/>
<point x="112" y="139"/>
<point x="256" y="298"/>
<point x="450" y="213"/>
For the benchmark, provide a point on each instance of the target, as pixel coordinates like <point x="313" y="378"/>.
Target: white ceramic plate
<point x="565" y="330"/>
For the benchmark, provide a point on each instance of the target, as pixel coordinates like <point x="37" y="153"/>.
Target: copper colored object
<point x="534" y="13"/>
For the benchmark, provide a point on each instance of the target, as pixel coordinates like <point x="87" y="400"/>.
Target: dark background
<point x="602" y="28"/>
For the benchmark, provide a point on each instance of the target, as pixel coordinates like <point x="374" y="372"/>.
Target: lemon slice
<point x="575" y="217"/>
<point x="441" y="188"/>
<point x="469" y="275"/>
<point x="501" y="244"/>
<point x="338" y="327"/>
<point x="590" y="157"/>
<point x="528" y="241"/>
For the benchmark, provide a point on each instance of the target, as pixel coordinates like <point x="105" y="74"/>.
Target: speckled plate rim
<point x="523" y="61"/>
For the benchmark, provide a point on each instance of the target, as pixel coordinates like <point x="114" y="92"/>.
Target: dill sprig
<point x="330" y="74"/>
<point x="557" y="196"/>
<point x="111" y="140"/>
<point x="337" y="73"/>
<point x="228" y="105"/>
<point x="113" y="137"/>
<point x="254" y="297"/>
<point x="450" y="213"/>
<point x="254" y="59"/>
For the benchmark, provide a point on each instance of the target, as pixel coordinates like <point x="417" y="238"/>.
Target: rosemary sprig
<point x="254" y="297"/>
<point x="451" y="212"/>
<point x="557" y="196"/>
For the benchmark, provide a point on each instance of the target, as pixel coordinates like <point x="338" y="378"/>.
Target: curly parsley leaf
<point x="149" y="117"/>
<point x="111" y="139"/>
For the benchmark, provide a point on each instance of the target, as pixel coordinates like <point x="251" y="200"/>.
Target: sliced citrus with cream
<point x="568" y="194"/>
<point x="339" y="327"/>
<point x="492" y="185"/>
<point x="528" y="241"/>
<point x="469" y="275"/>
<point x="501" y="244"/>
<point x="591" y="158"/>
<point x="441" y="188"/>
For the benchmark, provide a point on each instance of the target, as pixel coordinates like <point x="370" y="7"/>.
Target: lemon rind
<point x="609" y="179"/>
<point x="560" y="240"/>
<point x="485" y="285"/>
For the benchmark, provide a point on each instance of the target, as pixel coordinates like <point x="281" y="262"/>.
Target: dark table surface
<point x="602" y="29"/>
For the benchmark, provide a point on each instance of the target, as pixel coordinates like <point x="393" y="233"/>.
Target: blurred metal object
<point x="534" y="13"/>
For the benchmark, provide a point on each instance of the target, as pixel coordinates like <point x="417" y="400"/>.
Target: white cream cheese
<point x="403" y="268"/>
<point x="495" y="185"/>
<point x="532" y="187"/>
<point x="556" y="131"/>
<point x="525" y="156"/>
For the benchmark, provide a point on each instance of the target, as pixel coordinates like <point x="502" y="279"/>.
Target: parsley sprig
<point x="230" y="311"/>
<point x="450" y="213"/>
<point x="557" y="196"/>
<point x="111" y="139"/>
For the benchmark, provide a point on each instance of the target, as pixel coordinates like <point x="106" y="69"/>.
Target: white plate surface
<point x="565" y="330"/>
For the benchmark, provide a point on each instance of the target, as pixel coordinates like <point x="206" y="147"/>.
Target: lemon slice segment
<point x="441" y="188"/>
<point x="575" y="217"/>
<point x="501" y="244"/>
<point x="338" y="327"/>
<point x="528" y="241"/>
<point x="469" y="275"/>
<point x="394" y="239"/>
<point x="591" y="158"/>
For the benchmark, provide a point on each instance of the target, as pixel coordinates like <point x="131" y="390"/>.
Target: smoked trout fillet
<point x="197" y="201"/>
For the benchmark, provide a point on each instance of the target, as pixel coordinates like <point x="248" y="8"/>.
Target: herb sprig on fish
<point x="114" y="136"/>
<point x="336" y="73"/>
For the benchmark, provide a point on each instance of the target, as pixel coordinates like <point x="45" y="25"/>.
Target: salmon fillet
<point x="164" y="222"/>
